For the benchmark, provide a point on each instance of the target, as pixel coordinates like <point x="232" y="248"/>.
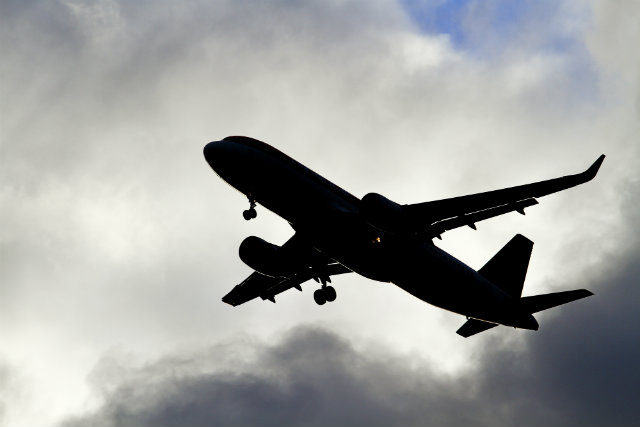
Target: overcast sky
<point x="118" y="241"/>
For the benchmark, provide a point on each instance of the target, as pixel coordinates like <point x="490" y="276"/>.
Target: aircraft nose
<point x="209" y="151"/>
<point x="214" y="153"/>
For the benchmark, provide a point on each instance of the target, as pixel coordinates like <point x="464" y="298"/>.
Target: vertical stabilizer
<point x="508" y="268"/>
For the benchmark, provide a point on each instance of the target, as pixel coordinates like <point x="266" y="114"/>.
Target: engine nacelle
<point x="264" y="257"/>
<point x="383" y="213"/>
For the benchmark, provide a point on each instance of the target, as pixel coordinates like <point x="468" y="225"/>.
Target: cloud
<point x="116" y="233"/>
<point x="5" y="376"/>
<point x="12" y="388"/>
<point x="310" y="377"/>
<point x="579" y="369"/>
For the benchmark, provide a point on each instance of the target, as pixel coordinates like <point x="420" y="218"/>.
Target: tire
<point x="330" y="294"/>
<point x="319" y="297"/>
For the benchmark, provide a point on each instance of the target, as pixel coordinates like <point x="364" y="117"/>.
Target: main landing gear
<point x="324" y="294"/>
<point x="251" y="212"/>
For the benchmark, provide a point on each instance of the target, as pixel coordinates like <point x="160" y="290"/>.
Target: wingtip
<point x="228" y="300"/>
<point x="582" y="293"/>
<point x="593" y="169"/>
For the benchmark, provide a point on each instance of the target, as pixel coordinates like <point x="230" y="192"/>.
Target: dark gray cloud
<point x="311" y="377"/>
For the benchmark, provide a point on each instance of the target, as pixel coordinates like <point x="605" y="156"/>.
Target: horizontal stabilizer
<point x="508" y="268"/>
<point x="474" y="326"/>
<point x="538" y="303"/>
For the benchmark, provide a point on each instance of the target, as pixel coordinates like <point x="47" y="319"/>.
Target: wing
<point x="307" y="264"/>
<point x="441" y="215"/>
<point x="266" y="287"/>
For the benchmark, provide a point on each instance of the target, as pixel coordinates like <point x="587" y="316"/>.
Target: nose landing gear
<point x="251" y="212"/>
<point x="324" y="294"/>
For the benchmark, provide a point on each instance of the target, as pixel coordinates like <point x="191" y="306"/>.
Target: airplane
<point x="337" y="233"/>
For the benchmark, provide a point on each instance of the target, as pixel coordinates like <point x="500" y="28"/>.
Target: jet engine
<point x="264" y="257"/>
<point x="383" y="213"/>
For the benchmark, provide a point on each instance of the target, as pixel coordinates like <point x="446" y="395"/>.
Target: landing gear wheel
<point x="319" y="297"/>
<point x="329" y="293"/>
<point x="249" y="214"/>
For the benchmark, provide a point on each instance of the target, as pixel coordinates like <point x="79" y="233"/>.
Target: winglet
<point x="590" y="173"/>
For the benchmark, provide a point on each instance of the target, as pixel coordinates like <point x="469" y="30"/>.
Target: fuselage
<point x="330" y="219"/>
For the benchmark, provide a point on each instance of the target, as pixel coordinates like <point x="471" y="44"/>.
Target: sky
<point x="118" y="241"/>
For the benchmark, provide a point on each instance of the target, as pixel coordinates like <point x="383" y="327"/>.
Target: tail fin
<point x="531" y="305"/>
<point x="538" y="303"/>
<point x="508" y="268"/>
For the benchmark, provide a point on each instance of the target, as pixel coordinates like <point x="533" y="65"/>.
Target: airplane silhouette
<point x="337" y="233"/>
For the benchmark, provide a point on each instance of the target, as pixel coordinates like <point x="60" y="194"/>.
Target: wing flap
<point x="440" y="227"/>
